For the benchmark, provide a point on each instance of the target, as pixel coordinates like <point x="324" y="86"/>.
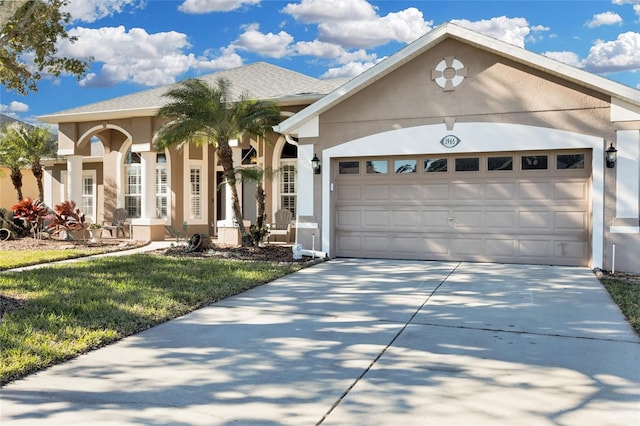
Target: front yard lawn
<point x="626" y="293"/>
<point x="72" y="309"/>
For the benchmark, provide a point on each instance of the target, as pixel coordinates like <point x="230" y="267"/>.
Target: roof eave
<point x="98" y="115"/>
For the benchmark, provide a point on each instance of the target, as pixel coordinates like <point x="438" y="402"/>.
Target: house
<point x="457" y="147"/>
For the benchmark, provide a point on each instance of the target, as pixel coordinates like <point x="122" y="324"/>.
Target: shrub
<point x="31" y="212"/>
<point x="67" y="218"/>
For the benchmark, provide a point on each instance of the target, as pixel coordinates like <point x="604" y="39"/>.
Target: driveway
<point x="355" y="342"/>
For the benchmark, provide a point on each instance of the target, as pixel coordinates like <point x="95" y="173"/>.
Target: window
<point x="133" y="184"/>
<point x="500" y="163"/>
<point x="534" y="162"/>
<point x="89" y="196"/>
<point x="405" y="166"/>
<point x="468" y="164"/>
<point x="349" y="167"/>
<point x="575" y="161"/>
<point x="432" y="165"/>
<point x="288" y="186"/>
<point x="377" y="167"/>
<point x="162" y="187"/>
<point x="195" y="193"/>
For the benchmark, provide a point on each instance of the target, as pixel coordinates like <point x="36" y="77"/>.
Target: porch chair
<point x="117" y="223"/>
<point x="282" y="225"/>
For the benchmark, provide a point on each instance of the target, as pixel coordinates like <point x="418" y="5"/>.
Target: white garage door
<point x="525" y="207"/>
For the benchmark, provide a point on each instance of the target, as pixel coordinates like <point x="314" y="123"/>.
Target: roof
<point x="260" y="80"/>
<point x="483" y="42"/>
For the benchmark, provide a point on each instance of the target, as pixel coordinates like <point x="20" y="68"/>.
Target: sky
<point x="140" y="44"/>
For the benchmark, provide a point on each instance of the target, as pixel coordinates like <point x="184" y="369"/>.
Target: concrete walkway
<point x="361" y="342"/>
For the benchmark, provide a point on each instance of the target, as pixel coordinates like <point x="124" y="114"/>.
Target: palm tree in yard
<point x="205" y="114"/>
<point x="34" y="144"/>
<point x="257" y="175"/>
<point x="11" y="158"/>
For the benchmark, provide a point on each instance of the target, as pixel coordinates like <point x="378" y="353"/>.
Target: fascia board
<point x="98" y="115"/>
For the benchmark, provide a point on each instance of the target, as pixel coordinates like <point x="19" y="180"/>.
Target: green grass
<point x="75" y="308"/>
<point x="15" y="259"/>
<point x="627" y="295"/>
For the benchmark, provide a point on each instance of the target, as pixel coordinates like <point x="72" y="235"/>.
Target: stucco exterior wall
<point x="8" y="194"/>
<point x="495" y="90"/>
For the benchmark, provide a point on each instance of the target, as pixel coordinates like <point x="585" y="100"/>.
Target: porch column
<point x="228" y="214"/>
<point x="74" y="179"/>
<point x="148" y="196"/>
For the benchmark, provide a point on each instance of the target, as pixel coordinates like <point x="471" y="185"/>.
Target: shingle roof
<point x="260" y="80"/>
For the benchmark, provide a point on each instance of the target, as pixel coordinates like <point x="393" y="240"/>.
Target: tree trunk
<point x="225" y="155"/>
<point x="260" y="225"/>
<point x="36" y="169"/>
<point x="16" y="180"/>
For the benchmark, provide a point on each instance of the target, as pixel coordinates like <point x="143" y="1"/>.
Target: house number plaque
<point x="450" y="141"/>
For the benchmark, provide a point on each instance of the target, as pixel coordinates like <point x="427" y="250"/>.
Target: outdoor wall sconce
<point x="612" y="154"/>
<point x="315" y="164"/>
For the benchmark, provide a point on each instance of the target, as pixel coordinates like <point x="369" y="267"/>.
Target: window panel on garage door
<point x="529" y="207"/>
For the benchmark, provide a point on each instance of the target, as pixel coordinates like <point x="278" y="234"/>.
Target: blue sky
<point x="139" y="44"/>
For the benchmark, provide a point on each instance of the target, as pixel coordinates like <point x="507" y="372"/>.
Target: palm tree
<point x="257" y="174"/>
<point x="34" y="144"/>
<point x="204" y="114"/>
<point x="12" y="158"/>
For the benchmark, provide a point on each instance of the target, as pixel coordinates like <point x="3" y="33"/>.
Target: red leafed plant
<point x="66" y="217"/>
<point x="32" y="212"/>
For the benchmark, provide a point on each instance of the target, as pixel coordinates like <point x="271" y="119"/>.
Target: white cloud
<point x="92" y="10"/>
<point x="136" y="56"/>
<point x="510" y="30"/>
<point x="270" y="44"/>
<point x="356" y="24"/>
<point x="207" y="6"/>
<point x="14" y="107"/>
<point x="351" y="69"/>
<point x="605" y="18"/>
<point x="317" y="11"/>
<point x="227" y="59"/>
<point x="569" y="58"/>
<point x="404" y="26"/>
<point x="622" y="54"/>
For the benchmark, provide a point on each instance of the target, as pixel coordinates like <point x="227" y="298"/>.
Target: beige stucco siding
<point x="495" y="90"/>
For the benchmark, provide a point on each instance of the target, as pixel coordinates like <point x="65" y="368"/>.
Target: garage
<point x="517" y="207"/>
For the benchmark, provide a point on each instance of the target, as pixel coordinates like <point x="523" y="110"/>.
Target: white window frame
<point x="162" y="189"/>
<point x="203" y="196"/>
<point x="127" y="186"/>
<point x="292" y="174"/>
<point x="92" y="198"/>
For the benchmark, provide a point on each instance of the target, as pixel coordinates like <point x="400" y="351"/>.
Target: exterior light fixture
<point x="611" y="156"/>
<point x="315" y="164"/>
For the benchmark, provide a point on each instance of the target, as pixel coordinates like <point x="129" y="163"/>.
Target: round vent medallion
<point x="449" y="73"/>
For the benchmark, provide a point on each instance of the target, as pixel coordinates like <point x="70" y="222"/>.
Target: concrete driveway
<point x="355" y="342"/>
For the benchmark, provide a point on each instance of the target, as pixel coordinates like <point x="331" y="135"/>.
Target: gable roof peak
<point x="465" y="35"/>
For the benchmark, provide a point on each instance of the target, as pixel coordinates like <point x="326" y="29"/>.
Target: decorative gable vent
<point x="449" y="73"/>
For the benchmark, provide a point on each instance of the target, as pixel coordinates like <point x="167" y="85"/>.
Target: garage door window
<point x="534" y="162"/>
<point x="349" y="167"/>
<point x="575" y="161"/>
<point x="468" y="164"/>
<point x="500" y="163"/>
<point x="405" y="166"/>
<point x="377" y="167"/>
<point x="433" y="165"/>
